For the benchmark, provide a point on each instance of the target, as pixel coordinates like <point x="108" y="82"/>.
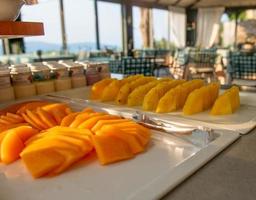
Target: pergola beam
<point x="97" y="24"/>
<point x="139" y="3"/>
<point x="193" y="4"/>
<point x="176" y="3"/>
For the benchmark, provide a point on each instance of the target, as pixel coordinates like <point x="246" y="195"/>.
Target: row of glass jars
<point x="48" y="77"/>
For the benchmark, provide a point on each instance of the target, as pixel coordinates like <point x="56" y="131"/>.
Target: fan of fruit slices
<point x="50" y="137"/>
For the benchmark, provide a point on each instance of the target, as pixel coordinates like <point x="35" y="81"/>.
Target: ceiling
<point x="199" y="3"/>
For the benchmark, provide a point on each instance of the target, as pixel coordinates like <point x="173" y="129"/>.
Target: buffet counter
<point x="230" y="175"/>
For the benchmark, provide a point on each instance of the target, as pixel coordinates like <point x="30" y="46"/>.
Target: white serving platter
<point x="168" y="161"/>
<point x="243" y="121"/>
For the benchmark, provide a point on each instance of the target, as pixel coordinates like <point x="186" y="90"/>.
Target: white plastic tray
<point x="168" y="161"/>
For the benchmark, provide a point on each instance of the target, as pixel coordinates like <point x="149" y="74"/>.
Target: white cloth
<point x="229" y="29"/>
<point x="177" y="26"/>
<point x="208" y="25"/>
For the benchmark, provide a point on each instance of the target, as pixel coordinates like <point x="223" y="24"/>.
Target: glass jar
<point x="58" y="71"/>
<point x="20" y="74"/>
<point x="103" y="69"/>
<point x="5" y="77"/>
<point x="92" y="74"/>
<point x="60" y="75"/>
<point x="76" y="72"/>
<point x="6" y="89"/>
<point x="40" y="72"/>
<point x="22" y="81"/>
<point x="41" y="78"/>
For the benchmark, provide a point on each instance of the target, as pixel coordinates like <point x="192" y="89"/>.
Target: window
<point x="110" y="25"/>
<point x="80" y="24"/>
<point x="47" y="11"/>
<point x="137" y="37"/>
<point x="1" y="47"/>
<point x="160" y="28"/>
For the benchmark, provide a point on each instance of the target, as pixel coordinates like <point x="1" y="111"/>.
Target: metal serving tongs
<point x="199" y="135"/>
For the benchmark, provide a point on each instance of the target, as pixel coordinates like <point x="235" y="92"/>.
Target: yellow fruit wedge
<point x="98" y="88"/>
<point x="214" y="91"/>
<point x="132" y="78"/>
<point x="227" y="103"/>
<point x="123" y="94"/>
<point x="201" y="99"/>
<point x="234" y="98"/>
<point x="152" y="98"/>
<point x="141" y="81"/>
<point x="194" y="103"/>
<point x="127" y="88"/>
<point x="175" y="98"/>
<point x="186" y="89"/>
<point x="169" y="102"/>
<point x="222" y="106"/>
<point x="111" y="91"/>
<point x="111" y="149"/>
<point x="136" y="97"/>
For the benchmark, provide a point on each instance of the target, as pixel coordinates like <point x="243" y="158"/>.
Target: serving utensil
<point x="197" y="135"/>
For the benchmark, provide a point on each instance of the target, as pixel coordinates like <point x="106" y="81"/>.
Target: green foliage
<point x="163" y="44"/>
<point x="241" y="15"/>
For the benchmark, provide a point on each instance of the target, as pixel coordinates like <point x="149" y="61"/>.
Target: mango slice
<point x="101" y="123"/>
<point x="42" y="161"/>
<point x="111" y="149"/>
<point x="32" y="106"/>
<point x="66" y="121"/>
<point x="34" y="117"/>
<point x="11" y="147"/>
<point x="175" y="98"/>
<point x="227" y="103"/>
<point x="80" y="118"/>
<point x="111" y="91"/>
<point x="152" y="98"/>
<point x="30" y="121"/>
<point x="194" y="103"/>
<point x="98" y="88"/>
<point x="201" y="99"/>
<point x="131" y="140"/>
<point x="89" y="123"/>
<point x="127" y="88"/>
<point x="136" y="97"/>
<point x="12" y="142"/>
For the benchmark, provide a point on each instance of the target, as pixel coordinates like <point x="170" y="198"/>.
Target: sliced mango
<point x="200" y="99"/>
<point x="227" y="103"/>
<point x="152" y="98"/>
<point x="136" y="97"/>
<point x="11" y="147"/>
<point x="131" y="140"/>
<point x="111" y="91"/>
<point x="33" y="116"/>
<point x="101" y="123"/>
<point x="98" y="88"/>
<point x="111" y="149"/>
<point x="66" y="121"/>
<point x="32" y="106"/>
<point x="42" y="161"/>
<point x="89" y="123"/>
<point x="82" y="118"/>
<point x="46" y="117"/>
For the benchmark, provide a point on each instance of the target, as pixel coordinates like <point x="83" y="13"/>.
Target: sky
<point x="80" y="22"/>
